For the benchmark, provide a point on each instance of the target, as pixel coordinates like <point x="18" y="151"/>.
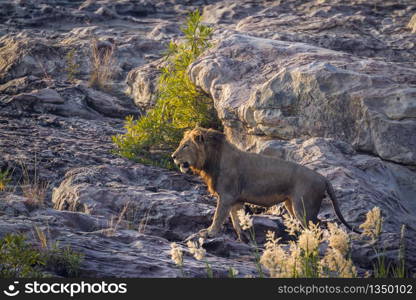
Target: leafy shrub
<point x="5" y="178"/>
<point x="179" y="106"/>
<point x="18" y="259"/>
<point x="63" y="261"/>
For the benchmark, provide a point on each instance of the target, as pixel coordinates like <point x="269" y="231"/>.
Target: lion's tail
<point x="331" y="193"/>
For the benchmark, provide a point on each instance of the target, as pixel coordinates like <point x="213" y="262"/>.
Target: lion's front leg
<point x="222" y="211"/>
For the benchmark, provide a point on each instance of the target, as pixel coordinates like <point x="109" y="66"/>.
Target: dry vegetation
<point x="33" y="188"/>
<point x="412" y="24"/>
<point x="304" y="257"/>
<point x="102" y="64"/>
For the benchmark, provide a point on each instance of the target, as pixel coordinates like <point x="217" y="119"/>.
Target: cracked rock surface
<point x="329" y="84"/>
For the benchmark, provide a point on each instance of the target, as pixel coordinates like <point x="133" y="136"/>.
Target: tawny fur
<point x="236" y="177"/>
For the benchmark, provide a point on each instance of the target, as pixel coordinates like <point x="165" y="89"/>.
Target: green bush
<point x="63" y="261"/>
<point x="179" y="106"/>
<point x="5" y="178"/>
<point x="18" y="259"/>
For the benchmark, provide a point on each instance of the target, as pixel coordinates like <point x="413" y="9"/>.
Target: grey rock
<point x="142" y="84"/>
<point x="78" y="101"/>
<point x="327" y="84"/>
<point x="286" y="90"/>
<point x="357" y="29"/>
<point x="230" y="12"/>
<point x="106" y="191"/>
<point x="13" y="205"/>
<point x="164" y="31"/>
<point x="124" y="253"/>
<point x="22" y="56"/>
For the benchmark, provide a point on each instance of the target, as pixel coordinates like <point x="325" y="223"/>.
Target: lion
<point x="236" y="177"/>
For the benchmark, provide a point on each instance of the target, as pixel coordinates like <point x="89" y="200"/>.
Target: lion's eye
<point x="184" y="146"/>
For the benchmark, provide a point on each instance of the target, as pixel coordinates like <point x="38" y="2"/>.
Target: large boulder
<point x="286" y="90"/>
<point x="164" y="201"/>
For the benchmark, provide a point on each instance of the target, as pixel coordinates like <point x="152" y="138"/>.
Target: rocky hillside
<point x="325" y="83"/>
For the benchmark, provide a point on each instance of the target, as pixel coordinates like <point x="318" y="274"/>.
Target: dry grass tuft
<point x="116" y="220"/>
<point x="412" y="24"/>
<point x="33" y="188"/>
<point x="102" y="65"/>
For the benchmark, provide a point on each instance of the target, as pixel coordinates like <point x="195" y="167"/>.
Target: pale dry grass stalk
<point x="412" y="23"/>
<point x="33" y="188"/>
<point x="196" y="249"/>
<point x="276" y="210"/>
<point x="273" y="257"/>
<point x="373" y="224"/>
<point x="176" y="254"/>
<point x="72" y="67"/>
<point x="232" y="272"/>
<point x="199" y="253"/>
<point x="308" y="241"/>
<point x="335" y="264"/>
<point x="144" y="221"/>
<point x="41" y="237"/>
<point x="102" y="65"/>
<point x="46" y="77"/>
<point x="302" y="258"/>
<point x="293" y="226"/>
<point x="246" y="222"/>
<point x="35" y="192"/>
<point x="116" y="220"/>
<point x="338" y="239"/>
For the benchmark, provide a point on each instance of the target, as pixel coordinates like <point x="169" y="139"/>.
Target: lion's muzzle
<point x="183" y="166"/>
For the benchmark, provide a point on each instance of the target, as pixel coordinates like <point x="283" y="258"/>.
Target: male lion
<point x="238" y="177"/>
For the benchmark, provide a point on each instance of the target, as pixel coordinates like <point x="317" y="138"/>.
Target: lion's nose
<point x="174" y="156"/>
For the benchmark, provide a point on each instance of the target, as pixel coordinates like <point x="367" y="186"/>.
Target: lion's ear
<point x="199" y="138"/>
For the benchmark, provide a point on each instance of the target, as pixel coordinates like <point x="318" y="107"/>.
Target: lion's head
<point x="191" y="150"/>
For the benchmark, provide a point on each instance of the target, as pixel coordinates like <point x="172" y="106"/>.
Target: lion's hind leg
<point x="241" y="235"/>
<point x="289" y="207"/>
<point x="306" y="209"/>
